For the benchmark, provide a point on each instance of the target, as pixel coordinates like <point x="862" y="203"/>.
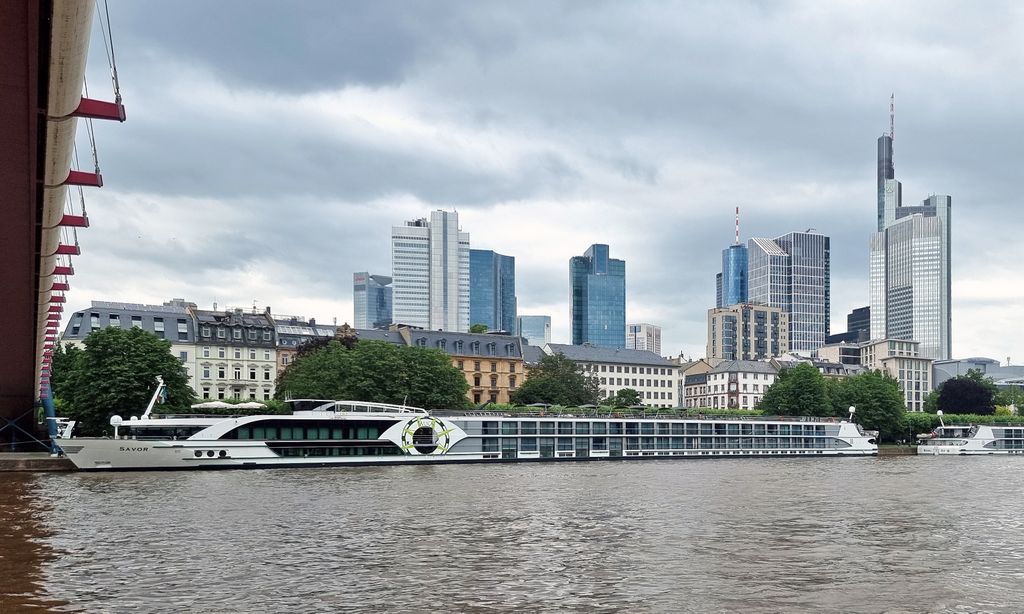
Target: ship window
<point x="528" y="428"/>
<point x="528" y="444"/>
<point x="600" y="428"/>
<point x="646" y="428"/>
<point x="582" y="428"/>
<point x="565" y="444"/>
<point x="489" y="444"/>
<point x="632" y="428"/>
<point x="488" y="428"/>
<point x="614" y="428"/>
<point x="565" y="428"/>
<point x="547" y="428"/>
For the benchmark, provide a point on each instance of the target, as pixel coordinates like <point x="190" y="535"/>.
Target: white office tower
<point x="910" y="277"/>
<point x="643" y="337"/>
<point x="430" y="271"/>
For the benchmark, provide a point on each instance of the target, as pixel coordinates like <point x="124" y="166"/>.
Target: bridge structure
<point x="43" y="50"/>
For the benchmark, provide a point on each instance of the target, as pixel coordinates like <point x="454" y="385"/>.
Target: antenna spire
<point x="737" y="225"/>
<point x="892" y="116"/>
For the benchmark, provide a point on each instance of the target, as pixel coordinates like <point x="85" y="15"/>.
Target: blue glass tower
<point x="492" y="290"/>
<point x="598" y="288"/>
<point x="371" y="300"/>
<point x="734" y="275"/>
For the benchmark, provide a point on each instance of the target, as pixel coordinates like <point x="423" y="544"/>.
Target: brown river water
<point x="899" y="534"/>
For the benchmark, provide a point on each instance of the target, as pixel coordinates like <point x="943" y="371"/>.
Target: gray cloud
<point x="660" y="118"/>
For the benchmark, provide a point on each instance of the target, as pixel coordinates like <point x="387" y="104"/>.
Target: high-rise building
<point x="598" y="306"/>
<point x="731" y="283"/>
<point x="792" y="272"/>
<point x="734" y="275"/>
<point x="910" y="265"/>
<point x="430" y="270"/>
<point x="492" y="290"/>
<point x="535" y="329"/>
<point x="858" y="327"/>
<point x="643" y="337"/>
<point x="746" y="331"/>
<point x="371" y="300"/>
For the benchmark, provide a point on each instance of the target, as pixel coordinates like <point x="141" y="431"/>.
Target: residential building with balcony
<point x="747" y="331"/>
<point x="732" y="384"/>
<point x="237" y="354"/>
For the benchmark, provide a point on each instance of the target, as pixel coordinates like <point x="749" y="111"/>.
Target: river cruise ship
<point x="327" y="433"/>
<point x="972" y="440"/>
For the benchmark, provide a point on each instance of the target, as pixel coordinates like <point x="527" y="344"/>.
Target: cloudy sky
<point x="270" y="146"/>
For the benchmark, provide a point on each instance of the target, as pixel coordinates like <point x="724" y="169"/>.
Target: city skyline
<point x="414" y="126"/>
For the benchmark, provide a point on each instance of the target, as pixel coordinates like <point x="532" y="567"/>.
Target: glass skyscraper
<point x="793" y="273"/>
<point x="492" y="290"/>
<point x="910" y="264"/>
<point x="910" y="278"/>
<point x="371" y="300"/>
<point x="598" y="306"/>
<point x="733" y="286"/>
<point x="535" y="329"/>
<point x="430" y="269"/>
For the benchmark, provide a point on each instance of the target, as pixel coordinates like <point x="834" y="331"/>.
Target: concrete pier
<point x="33" y="461"/>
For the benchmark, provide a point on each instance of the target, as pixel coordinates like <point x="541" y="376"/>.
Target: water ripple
<point x="788" y="535"/>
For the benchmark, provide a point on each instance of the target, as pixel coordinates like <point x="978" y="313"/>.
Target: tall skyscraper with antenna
<point x="910" y="263"/>
<point x="731" y="283"/>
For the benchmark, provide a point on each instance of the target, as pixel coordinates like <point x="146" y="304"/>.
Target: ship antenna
<point x="853" y="410"/>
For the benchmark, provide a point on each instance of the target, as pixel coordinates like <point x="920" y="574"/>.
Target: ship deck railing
<point x="625" y="414"/>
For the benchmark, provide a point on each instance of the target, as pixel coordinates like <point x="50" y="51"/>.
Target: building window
<point x="252" y="354"/>
<point x="252" y="374"/>
<point x="238" y="373"/>
<point x="206" y="372"/>
<point x="183" y="356"/>
<point x="476" y="365"/>
<point x="220" y="374"/>
<point x="266" y="374"/>
<point x="221" y="334"/>
<point x="237" y="333"/>
<point x="206" y="392"/>
<point x="460" y="364"/>
<point x="266" y="334"/>
<point x="158" y="327"/>
<point x="252" y="335"/>
<point x="266" y="354"/>
<point x="136" y="321"/>
<point x="220" y="352"/>
<point x="476" y="380"/>
<point x="494" y="367"/>
<point x="494" y="381"/>
<point x="512" y="367"/>
<point x="511" y="381"/>
<point x="238" y="353"/>
<point x="205" y="331"/>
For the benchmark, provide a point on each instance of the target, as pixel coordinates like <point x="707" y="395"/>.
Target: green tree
<point x="626" y="397"/>
<point x="879" y="402"/>
<point x="967" y="394"/>
<point x="799" y="391"/>
<point x="116" y="374"/>
<point x="1011" y="395"/>
<point x="375" y="371"/>
<point x="557" y="380"/>
<point x="478" y="328"/>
